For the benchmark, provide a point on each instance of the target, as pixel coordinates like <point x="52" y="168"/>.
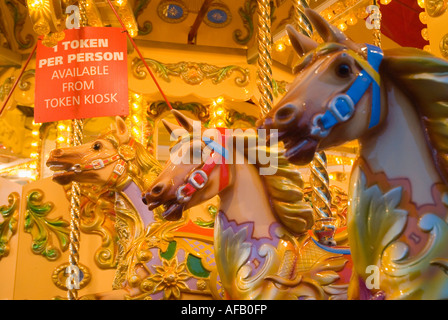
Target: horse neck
<point x="399" y="149"/>
<point x="245" y="201"/>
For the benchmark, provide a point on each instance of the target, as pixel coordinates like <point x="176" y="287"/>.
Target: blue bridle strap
<point x="342" y="106"/>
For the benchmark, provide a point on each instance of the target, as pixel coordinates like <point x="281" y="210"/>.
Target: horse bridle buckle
<point x="179" y="193"/>
<point x="196" y="184"/>
<point x="322" y="123"/>
<point x="97" y="164"/>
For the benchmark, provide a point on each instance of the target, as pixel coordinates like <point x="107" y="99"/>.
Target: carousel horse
<point x="395" y="103"/>
<point x="158" y="259"/>
<point x="263" y="249"/>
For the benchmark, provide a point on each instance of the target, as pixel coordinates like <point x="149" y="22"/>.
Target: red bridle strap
<point x="199" y="177"/>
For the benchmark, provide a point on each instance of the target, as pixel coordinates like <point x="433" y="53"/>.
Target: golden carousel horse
<point x="158" y="259"/>
<point x="395" y="102"/>
<point x="263" y="249"/>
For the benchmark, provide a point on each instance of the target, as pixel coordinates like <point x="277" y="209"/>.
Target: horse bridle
<point x="100" y="163"/>
<point x="342" y="106"/>
<point x="199" y="177"/>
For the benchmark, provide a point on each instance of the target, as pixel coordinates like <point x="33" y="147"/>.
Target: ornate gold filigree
<point x="435" y="8"/>
<point x="8" y="227"/>
<point x="193" y="73"/>
<point x="443" y="46"/>
<point x="59" y="276"/>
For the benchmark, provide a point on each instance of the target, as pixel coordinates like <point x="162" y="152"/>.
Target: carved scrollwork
<point x="42" y="228"/>
<point x="192" y="73"/>
<point x="8" y="227"/>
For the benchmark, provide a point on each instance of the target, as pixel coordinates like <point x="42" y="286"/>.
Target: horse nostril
<point x="57" y="152"/>
<point x="158" y="189"/>
<point x="286" y="115"/>
<point x="144" y="200"/>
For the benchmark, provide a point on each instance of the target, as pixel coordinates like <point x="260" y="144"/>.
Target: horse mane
<point x="284" y="188"/>
<point x="143" y="169"/>
<point x="424" y="79"/>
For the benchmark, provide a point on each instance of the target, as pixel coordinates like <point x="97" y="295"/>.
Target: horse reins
<point x="199" y="177"/>
<point x="342" y="106"/>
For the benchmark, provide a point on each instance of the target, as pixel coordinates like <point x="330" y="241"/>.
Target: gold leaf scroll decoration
<point x="8" y="225"/>
<point x="192" y="73"/>
<point x="43" y="229"/>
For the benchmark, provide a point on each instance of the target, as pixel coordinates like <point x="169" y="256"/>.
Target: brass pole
<point x="264" y="56"/>
<point x="75" y="198"/>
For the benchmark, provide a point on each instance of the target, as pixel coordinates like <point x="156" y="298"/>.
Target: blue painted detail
<point x="216" y="147"/>
<point x="174" y="12"/>
<point x="331" y="249"/>
<point x="217" y="16"/>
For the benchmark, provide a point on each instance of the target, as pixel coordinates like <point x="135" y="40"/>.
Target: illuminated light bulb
<point x="423" y="16"/>
<point x="328" y="15"/>
<point x="61" y="139"/>
<point x="33" y="165"/>
<point x="280" y="47"/>
<point x="136" y="131"/>
<point x="35" y="4"/>
<point x="34" y="144"/>
<point x="34" y="155"/>
<point x="331" y="176"/>
<point x="342" y="26"/>
<point x="385" y="2"/>
<point x="121" y="3"/>
<point x="219" y="112"/>
<point x="35" y="133"/>
<point x="220" y="123"/>
<point x="135" y="119"/>
<point x="219" y="100"/>
<point x="135" y="106"/>
<point x="421" y="3"/>
<point x="61" y="127"/>
<point x="352" y="20"/>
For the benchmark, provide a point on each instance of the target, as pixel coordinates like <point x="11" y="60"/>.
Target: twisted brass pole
<point x="75" y="198"/>
<point x="319" y="181"/>
<point x="300" y="19"/>
<point x="264" y="56"/>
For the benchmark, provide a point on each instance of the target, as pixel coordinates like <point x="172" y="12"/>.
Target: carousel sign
<point x="84" y="76"/>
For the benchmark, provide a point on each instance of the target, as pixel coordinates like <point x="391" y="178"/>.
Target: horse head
<point x="186" y="172"/>
<point x="335" y="97"/>
<point x="102" y="161"/>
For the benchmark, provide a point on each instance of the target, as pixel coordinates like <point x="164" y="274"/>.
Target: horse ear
<point x="328" y="32"/>
<point x="184" y="121"/>
<point x="174" y="130"/>
<point x="122" y="130"/>
<point x="301" y="43"/>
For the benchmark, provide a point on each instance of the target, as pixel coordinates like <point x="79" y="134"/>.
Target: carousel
<point x="223" y="150"/>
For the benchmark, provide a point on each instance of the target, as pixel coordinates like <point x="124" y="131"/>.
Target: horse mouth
<point x="61" y="172"/>
<point x="299" y="151"/>
<point x="173" y="210"/>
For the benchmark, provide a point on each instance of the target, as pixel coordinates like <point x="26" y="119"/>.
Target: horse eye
<point x="343" y="70"/>
<point x="97" y="146"/>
